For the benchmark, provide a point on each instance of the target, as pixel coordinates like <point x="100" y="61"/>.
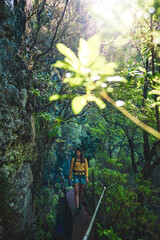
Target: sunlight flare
<point x="151" y="10"/>
<point x="85" y="70"/>
<point x="95" y="77"/>
<point x="127" y="18"/>
<point x="103" y="9"/>
<point x="103" y="85"/>
<point x="115" y="79"/>
<point x="68" y="75"/>
<point x="118" y="11"/>
<point x="119" y="103"/>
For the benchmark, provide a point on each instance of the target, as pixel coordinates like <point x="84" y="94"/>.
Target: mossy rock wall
<point x="21" y="157"/>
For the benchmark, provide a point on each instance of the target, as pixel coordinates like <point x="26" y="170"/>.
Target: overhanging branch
<point x="55" y="34"/>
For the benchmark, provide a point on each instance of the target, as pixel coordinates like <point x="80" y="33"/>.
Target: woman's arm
<point x="86" y="170"/>
<point x="71" y="169"/>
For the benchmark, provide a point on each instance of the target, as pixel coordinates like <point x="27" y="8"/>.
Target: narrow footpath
<point x="80" y="222"/>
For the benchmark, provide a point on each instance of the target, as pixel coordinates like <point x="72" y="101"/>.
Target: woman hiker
<point x="79" y="167"/>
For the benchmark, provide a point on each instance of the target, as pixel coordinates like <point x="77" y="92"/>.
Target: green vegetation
<point x="46" y="205"/>
<point x="120" y="203"/>
<point x="104" y="97"/>
<point x="92" y="78"/>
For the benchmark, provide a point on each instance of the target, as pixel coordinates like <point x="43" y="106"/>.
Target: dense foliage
<point x="92" y="78"/>
<point x="108" y="81"/>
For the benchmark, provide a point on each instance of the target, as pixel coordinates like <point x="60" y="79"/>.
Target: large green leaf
<point x="68" y="53"/>
<point x="98" y="101"/>
<point x="94" y="48"/>
<point x="99" y="63"/>
<point x="73" y="81"/>
<point x="78" y="103"/>
<point x="89" y="50"/>
<point x="83" y="52"/>
<point x="73" y="66"/>
<point x="62" y="64"/>
<point x="54" y="97"/>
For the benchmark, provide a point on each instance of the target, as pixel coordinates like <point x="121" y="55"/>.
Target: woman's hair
<point x="82" y="154"/>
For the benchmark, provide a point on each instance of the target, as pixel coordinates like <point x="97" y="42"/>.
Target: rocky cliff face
<point x="17" y="128"/>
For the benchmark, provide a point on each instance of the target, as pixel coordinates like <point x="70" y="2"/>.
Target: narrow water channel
<point x="63" y="228"/>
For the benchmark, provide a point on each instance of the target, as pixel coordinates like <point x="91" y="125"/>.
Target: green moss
<point x="17" y="154"/>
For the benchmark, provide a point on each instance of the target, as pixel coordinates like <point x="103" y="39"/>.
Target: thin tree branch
<point x="131" y="117"/>
<point x="55" y="34"/>
<point x="130" y="142"/>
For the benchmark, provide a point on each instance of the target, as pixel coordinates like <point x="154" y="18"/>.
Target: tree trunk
<point x="131" y="146"/>
<point x="2" y="3"/>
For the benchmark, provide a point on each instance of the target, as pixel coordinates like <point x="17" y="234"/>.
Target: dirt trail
<point x="80" y="222"/>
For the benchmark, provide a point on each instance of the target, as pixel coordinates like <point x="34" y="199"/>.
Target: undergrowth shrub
<point x="47" y="204"/>
<point x="117" y="214"/>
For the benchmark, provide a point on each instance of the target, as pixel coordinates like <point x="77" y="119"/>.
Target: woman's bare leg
<point x="76" y="188"/>
<point x="81" y="187"/>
